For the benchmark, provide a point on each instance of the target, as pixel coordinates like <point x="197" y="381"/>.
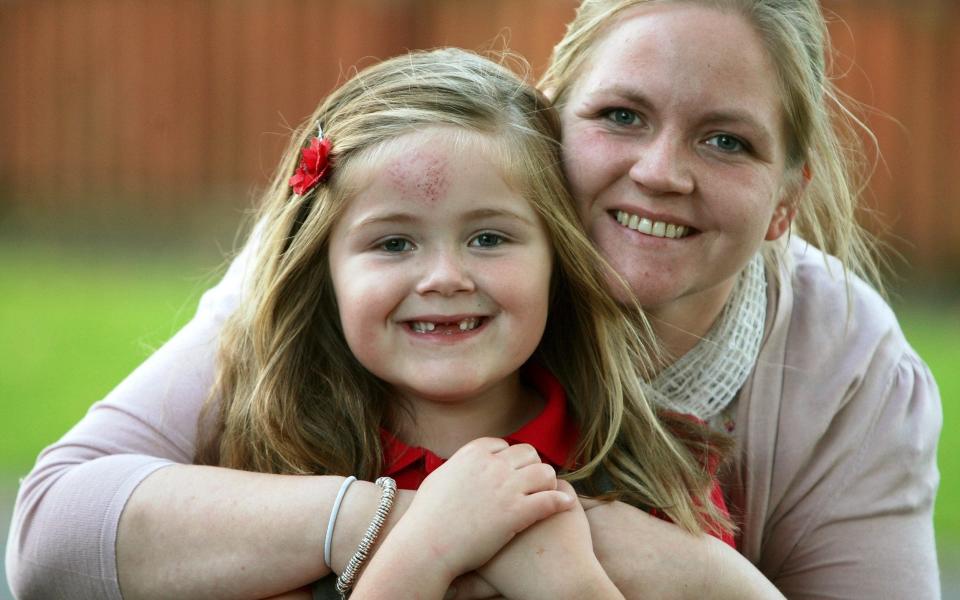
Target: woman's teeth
<point x="428" y="326"/>
<point x="654" y="228"/>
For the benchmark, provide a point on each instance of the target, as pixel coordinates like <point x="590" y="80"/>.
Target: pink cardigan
<point x="837" y="430"/>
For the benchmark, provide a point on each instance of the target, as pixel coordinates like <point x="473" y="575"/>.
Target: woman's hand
<point x="462" y="515"/>
<point x="552" y="559"/>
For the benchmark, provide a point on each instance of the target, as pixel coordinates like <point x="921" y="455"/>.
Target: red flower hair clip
<point x="314" y="165"/>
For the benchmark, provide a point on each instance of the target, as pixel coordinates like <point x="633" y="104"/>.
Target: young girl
<point x="422" y="288"/>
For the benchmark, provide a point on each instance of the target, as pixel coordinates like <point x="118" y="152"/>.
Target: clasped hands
<point x="492" y="521"/>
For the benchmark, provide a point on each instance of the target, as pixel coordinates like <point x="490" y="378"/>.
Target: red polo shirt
<point x="553" y="433"/>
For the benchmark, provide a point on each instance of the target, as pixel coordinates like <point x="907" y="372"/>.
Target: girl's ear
<point x="785" y="212"/>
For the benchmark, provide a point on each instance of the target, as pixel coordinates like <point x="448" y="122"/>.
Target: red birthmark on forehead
<point x="420" y="175"/>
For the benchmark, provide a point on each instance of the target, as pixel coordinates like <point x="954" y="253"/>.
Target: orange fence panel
<point x="151" y="105"/>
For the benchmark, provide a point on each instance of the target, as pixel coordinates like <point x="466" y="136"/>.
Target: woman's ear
<point x="786" y="210"/>
<point x="783" y="215"/>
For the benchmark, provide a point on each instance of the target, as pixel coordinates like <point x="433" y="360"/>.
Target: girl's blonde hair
<point x="822" y="134"/>
<point x="291" y="398"/>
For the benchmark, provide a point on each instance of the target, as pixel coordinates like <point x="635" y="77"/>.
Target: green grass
<point x="72" y="325"/>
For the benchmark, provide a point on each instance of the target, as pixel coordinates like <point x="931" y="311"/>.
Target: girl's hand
<point x="485" y="494"/>
<point x="463" y="513"/>
<point x="552" y="559"/>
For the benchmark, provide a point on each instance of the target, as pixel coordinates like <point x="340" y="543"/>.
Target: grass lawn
<point x="72" y="325"/>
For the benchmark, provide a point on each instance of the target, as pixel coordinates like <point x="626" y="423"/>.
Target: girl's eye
<point x="487" y="239"/>
<point x="727" y="143"/>
<point x="396" y="245"/>
<point x="623" y="116"/>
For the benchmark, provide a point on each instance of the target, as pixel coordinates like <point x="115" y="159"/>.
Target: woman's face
<point x="674" y="146"/>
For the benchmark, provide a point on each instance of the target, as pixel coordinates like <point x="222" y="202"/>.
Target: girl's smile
<point x="447" y="327"/>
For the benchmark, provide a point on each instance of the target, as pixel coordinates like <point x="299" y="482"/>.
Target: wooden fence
<point x="152" y="105"/>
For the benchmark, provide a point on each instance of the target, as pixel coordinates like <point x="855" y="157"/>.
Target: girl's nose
<point x="445" y="273"/>
<point x="661" y="165"/>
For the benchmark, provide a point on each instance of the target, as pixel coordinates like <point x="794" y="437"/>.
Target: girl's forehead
<point x="421" y="165"/>
<point x="421" y="173"/>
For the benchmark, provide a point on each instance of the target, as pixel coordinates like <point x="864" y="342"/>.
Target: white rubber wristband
<point x="328" y="542"/>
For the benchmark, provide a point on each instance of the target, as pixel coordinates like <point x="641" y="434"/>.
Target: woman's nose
<point x="662" y="165"/>
<point x="445" y="273"/>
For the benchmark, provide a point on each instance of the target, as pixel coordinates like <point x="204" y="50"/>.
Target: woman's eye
<point x="727" y="143"/>
<point x="623" y="116"/>
<point x="487" y="240"/>
<point x="396" y="245"/>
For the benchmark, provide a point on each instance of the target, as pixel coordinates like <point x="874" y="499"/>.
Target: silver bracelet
<point x="349" y="575"/>
<point x="328" y="541"/>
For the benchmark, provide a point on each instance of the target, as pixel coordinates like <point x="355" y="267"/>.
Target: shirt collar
<point x="552" y="432"/>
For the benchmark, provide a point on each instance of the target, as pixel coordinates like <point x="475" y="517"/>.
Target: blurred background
<point x="134" y="135"/>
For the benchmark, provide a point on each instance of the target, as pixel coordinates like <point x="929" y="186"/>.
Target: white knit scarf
<point x="707" y="378"/>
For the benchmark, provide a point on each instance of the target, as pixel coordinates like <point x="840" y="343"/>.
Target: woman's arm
<point x="64" y="529"/>
<point x="192" y="532"/>
<point x="649" y="558"/>
<point x="120" y="482"/>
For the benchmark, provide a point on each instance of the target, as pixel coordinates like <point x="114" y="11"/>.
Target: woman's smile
<point x="668" y="228"/>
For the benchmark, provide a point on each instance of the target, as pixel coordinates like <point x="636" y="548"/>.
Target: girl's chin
<point x="442" y="394"/>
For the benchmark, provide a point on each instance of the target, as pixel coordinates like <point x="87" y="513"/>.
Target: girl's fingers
<point x="566" y="488"/>
<point x="538" y="477"/>
<point x="520" y="455"/>
<point x="541" y="505"/>
<point x="487" y="444"/>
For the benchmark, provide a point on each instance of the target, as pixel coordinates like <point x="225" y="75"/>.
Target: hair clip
<point x="314" y="164"/>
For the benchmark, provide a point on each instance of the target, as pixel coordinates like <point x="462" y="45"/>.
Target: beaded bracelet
<point x="349" y="575"/>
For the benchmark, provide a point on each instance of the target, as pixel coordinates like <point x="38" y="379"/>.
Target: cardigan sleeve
<point x="62" y="536"/>
<point x="837" y="432"/>
<point x="871" y="534"/>
<point x="840" y="431"/>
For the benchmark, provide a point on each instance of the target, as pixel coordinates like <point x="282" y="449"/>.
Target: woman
<point x="696" y="136"/>
<point x="712" y="120"/>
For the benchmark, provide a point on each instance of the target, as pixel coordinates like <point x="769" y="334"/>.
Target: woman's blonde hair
<point x="290" y="397"/>
<point x="822" y="133"/>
